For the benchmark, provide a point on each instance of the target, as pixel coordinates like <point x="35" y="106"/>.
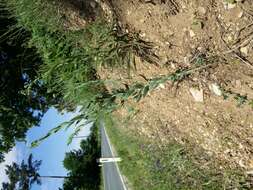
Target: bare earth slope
<point x="212" y="108"/>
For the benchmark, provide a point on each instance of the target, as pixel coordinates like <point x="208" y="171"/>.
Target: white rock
<point x="142" y="35"/>
<point x="250" y="172"/>
<point x="244" y="50"/>
<point x="170" y="33"/>
<point x="231" y="5"/>
<point x="93" y="5"/>
<point x="197" y="94"/>
<point x="187" y="59"/>
<point x="230" y="38"/>
<point x="238" y="83"/>
<point x="192" y="34"/>
<point x="216" y="89"/>
<point x="202" y="10"/>
<point x="168" y="43"/>
<point x="228" y="5"/>
<point x="240" y="14"/>
<point x="241" y="163"/>
<point x="161" y="86"/>
<point x="173" y="66"/>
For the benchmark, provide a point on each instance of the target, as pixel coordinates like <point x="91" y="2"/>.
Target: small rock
<point x="187" y="59"/>
<point x="231" y="5"/>
<point x="192" y="34"/>
<point x="197" y="94"/>
<point x="238" y="83"/>
<point x="173" y="66"/>
<point x="164" y="60"/>
<point x="161" y="86"/>
<point x="201" y="49"/>
<point x="142" y="20"/>
<point x="183" y="6"/>
<point x="216" y="89"/>
<point x="250" y="172"/>
<point x="169" y="45"/>
<point x="240" y="14"/>
<point x="93" y="4"/>
<point x="202" y="10"/>
<point x="251" y="164"/>
<point x="241" y="163"/>
<point x="142" y="35"/>
<point x="170" y="33"/>
<point x="244" y="50"/>
<point x="230" y="38"/>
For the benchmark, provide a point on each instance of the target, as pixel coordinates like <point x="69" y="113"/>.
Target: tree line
<point x="82" y="166"/>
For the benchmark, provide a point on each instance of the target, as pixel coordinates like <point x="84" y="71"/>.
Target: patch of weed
<point x="240" y="99"/>
<point x="148" y="165"/>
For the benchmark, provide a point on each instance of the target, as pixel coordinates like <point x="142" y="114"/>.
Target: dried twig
<point x="244" y="43"/>
<point x="233" y="50"/>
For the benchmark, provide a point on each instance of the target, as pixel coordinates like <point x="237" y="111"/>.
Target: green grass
<point x="71" y="58"/>
<point x="169" y="167"/>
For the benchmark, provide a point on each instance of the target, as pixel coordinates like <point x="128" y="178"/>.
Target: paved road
<point x="111" y="174"/>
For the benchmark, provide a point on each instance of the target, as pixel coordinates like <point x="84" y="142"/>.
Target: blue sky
<point x="51" y="151"/>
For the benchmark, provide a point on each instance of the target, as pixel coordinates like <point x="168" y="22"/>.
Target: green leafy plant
<point x="111" y="47"/>
<point x="139" y="90"/>
<point x="241" y="99"/>
<point x="77" y="122"/>
<point x="200" y="60"/>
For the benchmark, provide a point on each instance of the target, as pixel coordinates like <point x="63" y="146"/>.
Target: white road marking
<point x="104" y="178"/>
<point x="114" y="159"/>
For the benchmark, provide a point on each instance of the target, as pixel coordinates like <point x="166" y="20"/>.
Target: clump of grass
<point x="200" y="60"/>
<point x="112" y="48"/>
<point x="241" y="99"/>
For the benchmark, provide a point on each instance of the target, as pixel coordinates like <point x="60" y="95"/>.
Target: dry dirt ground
<point x="211" y="108"/>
